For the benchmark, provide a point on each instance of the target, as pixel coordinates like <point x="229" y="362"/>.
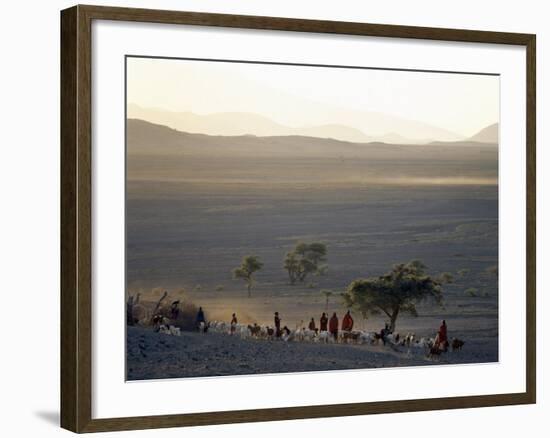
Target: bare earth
<point x="156" y="356"/>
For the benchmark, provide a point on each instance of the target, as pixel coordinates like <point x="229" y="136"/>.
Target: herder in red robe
<point x="333" y="325"/>
<point x="347" y="322"/>
<point x="441" y="340"/>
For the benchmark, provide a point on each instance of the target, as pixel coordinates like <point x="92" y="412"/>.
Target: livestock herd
<point x="302" y="334"/>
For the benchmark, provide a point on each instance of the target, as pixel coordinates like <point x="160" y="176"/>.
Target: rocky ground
<point x="153" y="355"/>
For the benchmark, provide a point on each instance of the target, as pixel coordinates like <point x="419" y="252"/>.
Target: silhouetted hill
<point x="242" y="123"/>
<point x="486" y="135"/>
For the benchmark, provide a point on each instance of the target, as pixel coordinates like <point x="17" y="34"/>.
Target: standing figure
<point x="233" y="324"/>
<point x="333" y="326"/>
<point x="347" y="322"/>
<point x="441" y="341"/>
<point x="201" y="321"/>
<point x="277" y="321"/>
<point x="174" y="310"/>
<point x="385" y="332"/>
<point x="324" y="323"/>
<point x="311" y="325"/>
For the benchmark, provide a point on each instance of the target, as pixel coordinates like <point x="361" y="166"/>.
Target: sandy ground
<point x="153" y="355"/>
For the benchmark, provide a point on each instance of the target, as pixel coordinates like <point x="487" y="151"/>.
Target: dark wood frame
<point x="76" y="159"/>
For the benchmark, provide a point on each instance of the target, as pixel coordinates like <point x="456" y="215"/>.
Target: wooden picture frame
<point x="76" y="218"/>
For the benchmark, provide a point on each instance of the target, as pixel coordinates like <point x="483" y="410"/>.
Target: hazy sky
<point x="307" y="96"/>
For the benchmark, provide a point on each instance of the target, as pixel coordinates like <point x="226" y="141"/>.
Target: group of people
<point x="331" y="326"/>
<point x="325" y="324"/>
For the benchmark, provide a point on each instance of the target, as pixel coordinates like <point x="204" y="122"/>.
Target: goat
<point x="367" y="338"/>
<point x="164" y="329"/>
<point x="434" y="352"/>
<point x="270" y="332"/>
<point x="203" y="327"/>
<point x="457" y="344"/>
<point x="407" y="340"/>
<point x="323" y="337"/>
<point x="351" y="336"/>
<point x="287" y="335"/>
<point x="243" y="331"/>
<point x="254" y="330"/>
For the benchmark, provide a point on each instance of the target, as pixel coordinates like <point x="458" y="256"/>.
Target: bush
<point x="186" y="315"/>
<point x="184" y="318"/>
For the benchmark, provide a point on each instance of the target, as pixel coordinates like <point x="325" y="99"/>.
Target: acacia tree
<point x="305" y="259"/>
<point x="398" y="291"/>
<point x="249" y="265"/>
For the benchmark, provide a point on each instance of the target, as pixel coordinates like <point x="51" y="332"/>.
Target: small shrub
<point x="446" y="277"/>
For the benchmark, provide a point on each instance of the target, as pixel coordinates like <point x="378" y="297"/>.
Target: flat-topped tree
<point x="398" y="291"/>
<point x="249" y="265"/>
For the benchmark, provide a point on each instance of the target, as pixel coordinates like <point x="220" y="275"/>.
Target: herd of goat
<point x="358" y="337"/>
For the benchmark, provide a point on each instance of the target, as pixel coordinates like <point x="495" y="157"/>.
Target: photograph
<point x="285" y="218"/>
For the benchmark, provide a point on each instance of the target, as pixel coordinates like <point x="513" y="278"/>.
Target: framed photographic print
<point x="270" y="218"/>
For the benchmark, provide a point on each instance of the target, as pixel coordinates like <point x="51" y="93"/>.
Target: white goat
<point x="366" y="338"/>
<point x="323" y="337"/>
<point x="243" y="331"/>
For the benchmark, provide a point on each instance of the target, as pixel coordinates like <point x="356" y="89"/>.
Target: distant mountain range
<point x="239" y="123"/>
<point x="160" y="153"/>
